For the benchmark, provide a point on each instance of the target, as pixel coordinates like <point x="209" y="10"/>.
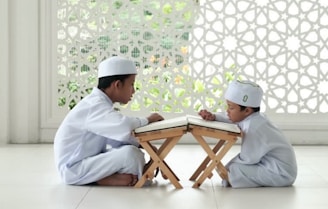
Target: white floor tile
<point x="30" y="180"/>
<point x="156" y="197"/>
<point x="17" y="196"/>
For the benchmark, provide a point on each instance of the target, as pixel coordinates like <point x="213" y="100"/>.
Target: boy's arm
<point x="222" y="117"/>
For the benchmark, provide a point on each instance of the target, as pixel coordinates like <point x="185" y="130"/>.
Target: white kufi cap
<point x="116" y="66"/>
<point x="244" y="93"/>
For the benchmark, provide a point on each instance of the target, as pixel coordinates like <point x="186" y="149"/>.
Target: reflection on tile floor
<point x="29" y="180"/>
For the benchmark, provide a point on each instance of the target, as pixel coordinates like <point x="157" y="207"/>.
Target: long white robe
<point x="81" y="142"/>
<point x="266" y="157"/>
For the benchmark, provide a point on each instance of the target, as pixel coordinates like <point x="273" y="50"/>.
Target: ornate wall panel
<point x="187" y="51"/>
<point x="282" y="45"/>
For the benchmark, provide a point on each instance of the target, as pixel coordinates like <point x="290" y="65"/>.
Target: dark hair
<point x="255" y="109"/>
<point x="105" y="82"/>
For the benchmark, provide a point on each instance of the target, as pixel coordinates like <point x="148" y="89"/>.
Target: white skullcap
<point x="244" y="93"/>
<point x="116" y="66"/>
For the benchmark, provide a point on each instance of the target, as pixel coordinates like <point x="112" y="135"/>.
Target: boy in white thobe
<point x="266" y="157"/>
<point x="82" y="140"/>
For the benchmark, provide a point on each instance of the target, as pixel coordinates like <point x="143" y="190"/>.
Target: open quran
<point x="185" y="121"/>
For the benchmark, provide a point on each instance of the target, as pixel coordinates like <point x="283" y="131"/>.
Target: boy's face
<point x="235" y="114"/>
<point x="126" y="90"/>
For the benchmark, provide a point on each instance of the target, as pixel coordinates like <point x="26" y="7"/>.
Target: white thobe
<point x="82" y="140"/>
<point x="266" y="158"/>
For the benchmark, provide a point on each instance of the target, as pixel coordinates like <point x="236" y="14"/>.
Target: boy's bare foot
<point x="118" y="179"/>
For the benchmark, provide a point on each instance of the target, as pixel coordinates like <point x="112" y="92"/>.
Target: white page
<point x="164" y="124"/>
<point x="184" y="121"/>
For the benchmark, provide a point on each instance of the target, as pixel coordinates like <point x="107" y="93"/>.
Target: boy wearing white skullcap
<point x="81" y="143"/>
<point x="266" y="157"/>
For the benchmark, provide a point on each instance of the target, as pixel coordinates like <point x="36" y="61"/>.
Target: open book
<point x="185" y="121"/>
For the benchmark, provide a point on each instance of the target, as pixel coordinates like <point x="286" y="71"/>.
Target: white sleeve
<point x="114" y="126"/>
<point x="222" y="117"/>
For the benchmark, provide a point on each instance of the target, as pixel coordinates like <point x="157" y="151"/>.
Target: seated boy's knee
<point x="131" y="149"/>
<point x="133" y="153"/>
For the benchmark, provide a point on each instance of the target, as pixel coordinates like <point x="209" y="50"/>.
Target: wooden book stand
<point x="171" y="137"/>
<point x="171" y="131"/>
<point x="214" y="156"/>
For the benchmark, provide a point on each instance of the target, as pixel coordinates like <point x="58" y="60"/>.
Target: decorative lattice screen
<point x="187" y="51"/>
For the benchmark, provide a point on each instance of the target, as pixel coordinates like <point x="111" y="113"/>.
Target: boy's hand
<point x="206" y="115"/>
<point x="154" y="117"/>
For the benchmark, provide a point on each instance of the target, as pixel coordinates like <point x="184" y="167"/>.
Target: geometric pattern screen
<point x="188" y="51"/>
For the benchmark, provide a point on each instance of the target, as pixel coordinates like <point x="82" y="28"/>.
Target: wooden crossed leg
<point x="215" y="155"/>
<point x="171" y="137"/>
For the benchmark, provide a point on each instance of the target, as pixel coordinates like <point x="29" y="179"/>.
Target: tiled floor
<point x="29" y="180"/>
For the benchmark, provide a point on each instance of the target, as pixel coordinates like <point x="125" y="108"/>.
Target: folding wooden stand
<point x="215" y="155"/>
<point x="171" y="136"/>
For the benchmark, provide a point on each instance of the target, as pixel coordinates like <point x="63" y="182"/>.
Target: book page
<point x="197" y="120"/>
<point x="184" y="121"/>
<point x="164" y="124"/>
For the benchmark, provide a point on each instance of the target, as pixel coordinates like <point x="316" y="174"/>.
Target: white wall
<point x="4" y="71"/>
<point x="19" y="82"/>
